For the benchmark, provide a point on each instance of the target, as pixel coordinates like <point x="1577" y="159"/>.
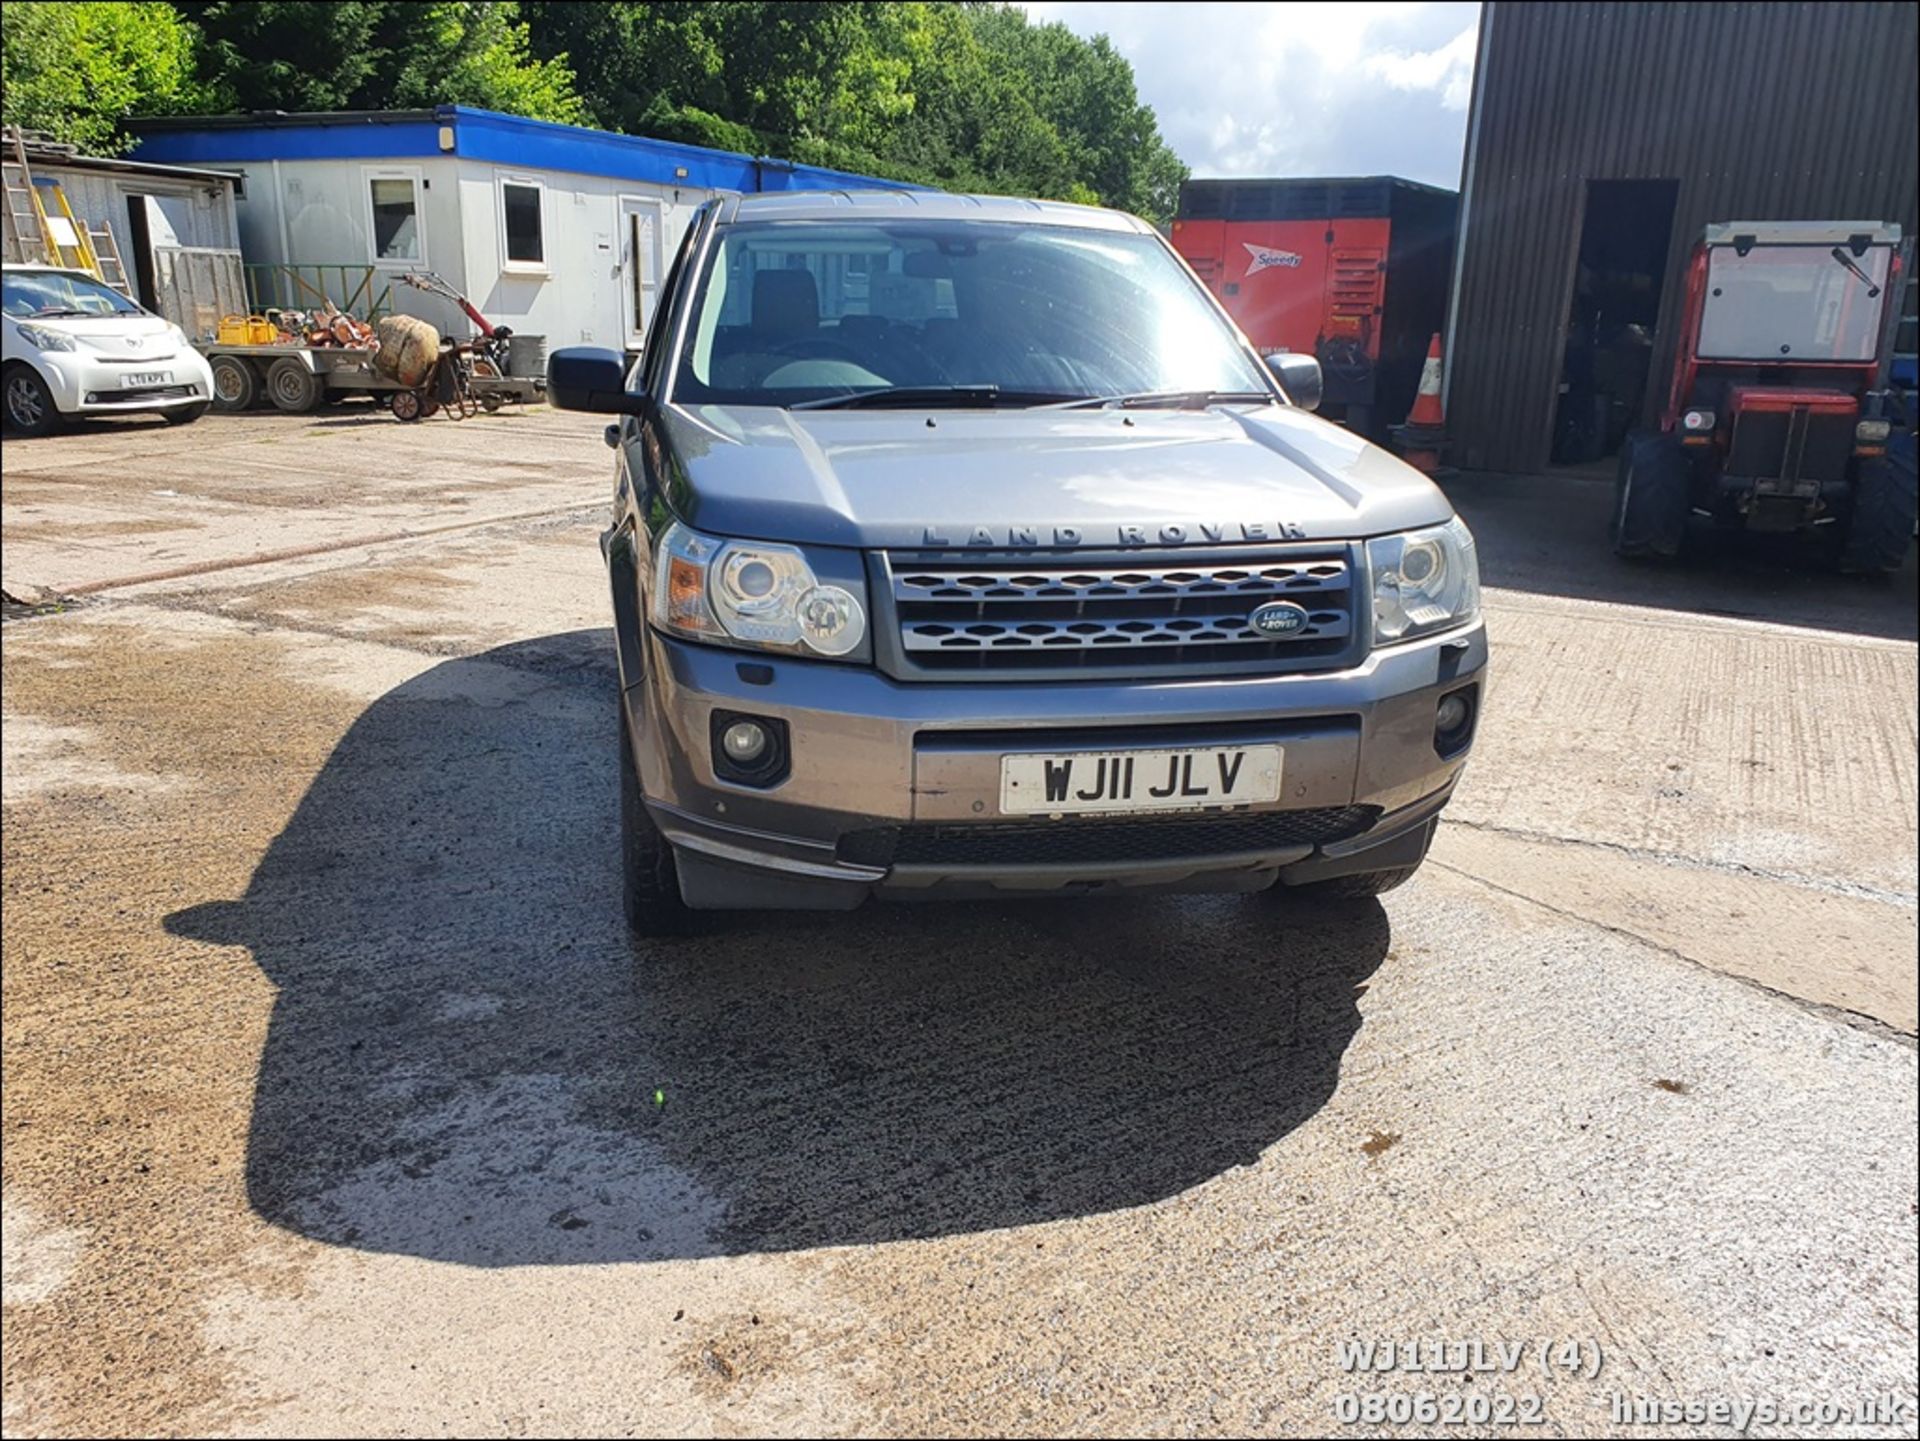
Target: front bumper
<point x="871" y="753"/>
<point x="84" y="384"/>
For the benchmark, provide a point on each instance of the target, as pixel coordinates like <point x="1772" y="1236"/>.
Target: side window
<point x="522" y="224"/>
<point x="653" y="360"/>
<point x="393" y="201"/>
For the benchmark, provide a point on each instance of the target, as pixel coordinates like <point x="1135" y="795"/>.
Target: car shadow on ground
<point x="467" y="1060"/>
<point x="1548" y="534"/>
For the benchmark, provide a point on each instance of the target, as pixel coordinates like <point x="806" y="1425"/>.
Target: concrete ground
<point x="338" y="1102"/>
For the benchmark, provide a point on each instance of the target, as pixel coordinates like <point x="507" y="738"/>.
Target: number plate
<point x="1195" y="779"/>
<point x="142" y="379"/>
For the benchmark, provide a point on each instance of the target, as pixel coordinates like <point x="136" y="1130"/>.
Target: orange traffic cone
<point x="1425" y="432"/>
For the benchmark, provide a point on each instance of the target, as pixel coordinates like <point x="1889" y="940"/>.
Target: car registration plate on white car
<point x="140" y="379"/>
<point x="1189" y="779"/>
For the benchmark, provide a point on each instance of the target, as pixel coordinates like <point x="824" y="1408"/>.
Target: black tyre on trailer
<point x="294" y="388"/>
<point x="1652" y="497"/>
<point x="1886" y="508"/>
<point x="236" y="384"/>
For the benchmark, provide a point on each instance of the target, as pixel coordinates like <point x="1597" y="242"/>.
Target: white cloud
<point x="1448" y="70"/>
<point x="1298" y="89"/>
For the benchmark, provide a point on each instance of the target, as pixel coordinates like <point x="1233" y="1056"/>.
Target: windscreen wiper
<point x="1873" y="291"/>
<point x="958" y="396"/>
<point x="1181" y="399"/>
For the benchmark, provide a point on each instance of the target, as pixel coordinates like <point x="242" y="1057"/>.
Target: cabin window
<point x="396" y="217"/>
<point x="520" y="204"/>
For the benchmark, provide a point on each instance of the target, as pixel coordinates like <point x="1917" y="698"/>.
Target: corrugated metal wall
<point x="1760" y="111"/>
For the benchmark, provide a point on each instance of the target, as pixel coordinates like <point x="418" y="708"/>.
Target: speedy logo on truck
<point x="1265" y="258"/>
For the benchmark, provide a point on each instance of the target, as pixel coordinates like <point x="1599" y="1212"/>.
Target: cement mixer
<point x="409" y="350"/>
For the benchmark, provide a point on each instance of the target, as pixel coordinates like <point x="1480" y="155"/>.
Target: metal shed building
<point x="1602" y="138"/>
<point x="174" y="229"/>
<point x="553" y="230"/>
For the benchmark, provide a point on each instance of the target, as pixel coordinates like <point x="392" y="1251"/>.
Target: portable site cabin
<point x="174" y="229"/>
<point x="552" y="230"/>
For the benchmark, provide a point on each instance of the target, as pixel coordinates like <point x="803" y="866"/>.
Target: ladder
<point x="66" y="233"/>
<point x="41" y="226"/>
<point x="106" y="259"/>
<point x="25" y="223"/>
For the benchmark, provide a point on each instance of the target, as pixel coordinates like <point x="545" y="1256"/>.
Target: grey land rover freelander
<point x="962" y="546"/>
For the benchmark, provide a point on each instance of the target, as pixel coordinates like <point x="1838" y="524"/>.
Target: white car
<point x="76" y="347"/>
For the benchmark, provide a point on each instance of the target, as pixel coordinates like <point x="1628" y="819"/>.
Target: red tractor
<point x="1781" y="417"/>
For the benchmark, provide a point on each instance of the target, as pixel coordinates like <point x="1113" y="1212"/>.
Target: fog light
<point x="744" y="742"/>
<point x="1453" y="721"/>
<point x="749" y="750"/>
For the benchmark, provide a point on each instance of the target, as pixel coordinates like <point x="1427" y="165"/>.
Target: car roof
<point x="921" y="205"/>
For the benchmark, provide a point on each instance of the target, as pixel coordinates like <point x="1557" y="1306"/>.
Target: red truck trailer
<point x="1354" y="272"/>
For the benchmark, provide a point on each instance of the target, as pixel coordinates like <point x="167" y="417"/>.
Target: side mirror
<point x="586" y="377"/>
<point x="1299" y="376"/>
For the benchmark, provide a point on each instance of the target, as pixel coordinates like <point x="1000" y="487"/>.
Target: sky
<point x="1298" y="88"/>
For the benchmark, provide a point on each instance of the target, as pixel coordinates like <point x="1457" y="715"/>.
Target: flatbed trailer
<point x="300" y="378"/>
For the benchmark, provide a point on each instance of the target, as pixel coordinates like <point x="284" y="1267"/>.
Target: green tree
<point x="76" y="71"/>
<point x="967" y="96"/>
<point x="379" y="54"/>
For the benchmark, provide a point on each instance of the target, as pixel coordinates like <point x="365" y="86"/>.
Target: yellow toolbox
<point x="247" y="330"/>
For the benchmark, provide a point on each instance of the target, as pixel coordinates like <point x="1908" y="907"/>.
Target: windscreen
<point x="794" y="311"/>
<point x="1788" y="303"/>
<point x="27" y="293"/>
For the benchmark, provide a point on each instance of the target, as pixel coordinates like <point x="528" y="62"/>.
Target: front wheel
<point x="1357" y="887"/>
<point x="1885" y="506"/>
<point x="184" y="414"/>
<point x="30" y="408"/>
<point x="1652" y="497"/>
<point x="649" y="879"/>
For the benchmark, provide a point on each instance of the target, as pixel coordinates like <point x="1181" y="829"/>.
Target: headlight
<point x="40" y="338"/>
<point x="1425" y="580"/>
<point x="753" y="594"/>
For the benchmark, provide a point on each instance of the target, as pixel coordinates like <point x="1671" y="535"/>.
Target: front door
<point x="640" y="224"/>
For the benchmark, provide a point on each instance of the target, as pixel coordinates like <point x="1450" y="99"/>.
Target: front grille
<point x="1009" y="614"/>
<point x="155" y="392"/>
<point x="992" y="843"/>
<point x="1790" y="451"/>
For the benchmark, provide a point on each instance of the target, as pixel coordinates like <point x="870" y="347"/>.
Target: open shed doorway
<point x="1609" y="355"/>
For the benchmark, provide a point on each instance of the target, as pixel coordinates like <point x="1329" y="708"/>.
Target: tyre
<point x="1356" y="887"/>
<point x="405" y="405"/>
<point x="649" y="880"/>
<point x="1652" y="497"/>
<point x="292" y="387"/>
<point x="1884" y="511"/>
<point x="29" y="404"/>
<point x="184" y="414"/>
<point x="236" y="385"/>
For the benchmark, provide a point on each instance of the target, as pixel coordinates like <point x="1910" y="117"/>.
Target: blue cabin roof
<point x="477" y="135"/>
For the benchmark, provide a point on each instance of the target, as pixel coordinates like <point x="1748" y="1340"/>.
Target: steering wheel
<point x="818" y="347"/>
